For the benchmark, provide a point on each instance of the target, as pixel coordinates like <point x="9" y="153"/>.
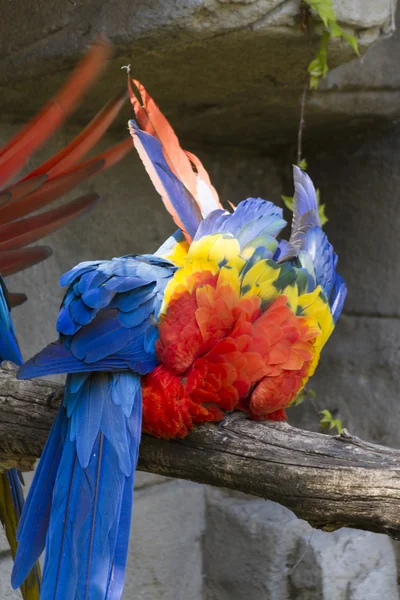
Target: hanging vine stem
<point x="305" y="26"/>
<point x="301" y="122"/>
<point x="318" y="67"/>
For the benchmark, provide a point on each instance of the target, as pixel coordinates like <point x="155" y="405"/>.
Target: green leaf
<point x="327" y="416"/>
<point x="314" y="82"/>
<point x="329" y="422"/>
<point x="324" y="10"/>
<point x="288" y="200"/>
<point x="321" y="213"/>
<point x="303" y="164"/>
<point x="303" y="395"/>
<point x="318" y="67"/>
<point x="300" y="398"/>
<point x="336" y="30"/>
<point x="338" y="425"/>
<point x="352" y="41"/>
<point x="321" y="208"/>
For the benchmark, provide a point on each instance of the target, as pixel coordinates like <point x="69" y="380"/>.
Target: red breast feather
<point x="219" y="352"/>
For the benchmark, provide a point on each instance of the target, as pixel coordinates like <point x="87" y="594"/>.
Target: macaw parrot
<point x="222" y="317"/>
<point x="58" y="175"/>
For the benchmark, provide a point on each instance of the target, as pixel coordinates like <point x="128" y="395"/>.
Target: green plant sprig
<point x="318" y="67"/>
<point x="329" y="422"/>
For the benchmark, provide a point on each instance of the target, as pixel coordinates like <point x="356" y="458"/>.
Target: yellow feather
<point x="229" y="276"/>
<point x="259" y="281"/>
<point x="178" y="254"/>
<point x="314" y="305"/>
<point x="204" y="255"/>
<point x="8" y="516"/>
<point x="292" y="294"/>
<point x="261" y="272"/>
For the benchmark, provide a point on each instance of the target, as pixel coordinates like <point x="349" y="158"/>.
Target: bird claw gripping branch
<point x="20" y="196"/>
<point x="222" y="317"/>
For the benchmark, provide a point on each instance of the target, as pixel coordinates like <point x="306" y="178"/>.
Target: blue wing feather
<point x="84" y="267"/>
<point x="81" y="312"/>
<point x="338" y="297"/>
<point x="323" y="257"/>
<point x="252" y="218"/>
<point x="98" y="297"/>
<point x="305" y="208"/>
<point x="86" y="507"/>
<point x="9" y="350"/>
<point x="309" y="247"/>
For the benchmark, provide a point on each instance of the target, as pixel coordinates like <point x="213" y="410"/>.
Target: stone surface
<point x="224" y="72"/>
<point x="166" y="549"/>
<point x="359" y="93"/>
<point x="6" y="592"/>
<point x="359" y="183"/>
<point x="344" y="565"/>
<point x="259" y="551"/>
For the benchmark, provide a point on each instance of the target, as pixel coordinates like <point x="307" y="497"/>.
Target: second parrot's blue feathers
<point x="9" y="349"/>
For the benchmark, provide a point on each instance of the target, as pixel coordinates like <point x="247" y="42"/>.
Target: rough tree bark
<point x="329" y="481"/>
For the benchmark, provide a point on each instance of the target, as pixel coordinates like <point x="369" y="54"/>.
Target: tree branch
<point x="329" y="481"/>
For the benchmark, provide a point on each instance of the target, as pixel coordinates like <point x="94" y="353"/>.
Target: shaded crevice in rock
<point x="246" y="60"/>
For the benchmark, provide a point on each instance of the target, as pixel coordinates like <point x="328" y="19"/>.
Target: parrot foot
<point x="54" y="398"/>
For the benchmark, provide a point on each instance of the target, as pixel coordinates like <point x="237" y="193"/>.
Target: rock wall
<point x="226" y="72"/>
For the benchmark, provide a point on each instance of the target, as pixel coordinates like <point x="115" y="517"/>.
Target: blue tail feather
<point x="89" y="412"/>
<point x="32" y="527"/>
<point x="117" y="573"/>
<point x="86" y="508"/>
